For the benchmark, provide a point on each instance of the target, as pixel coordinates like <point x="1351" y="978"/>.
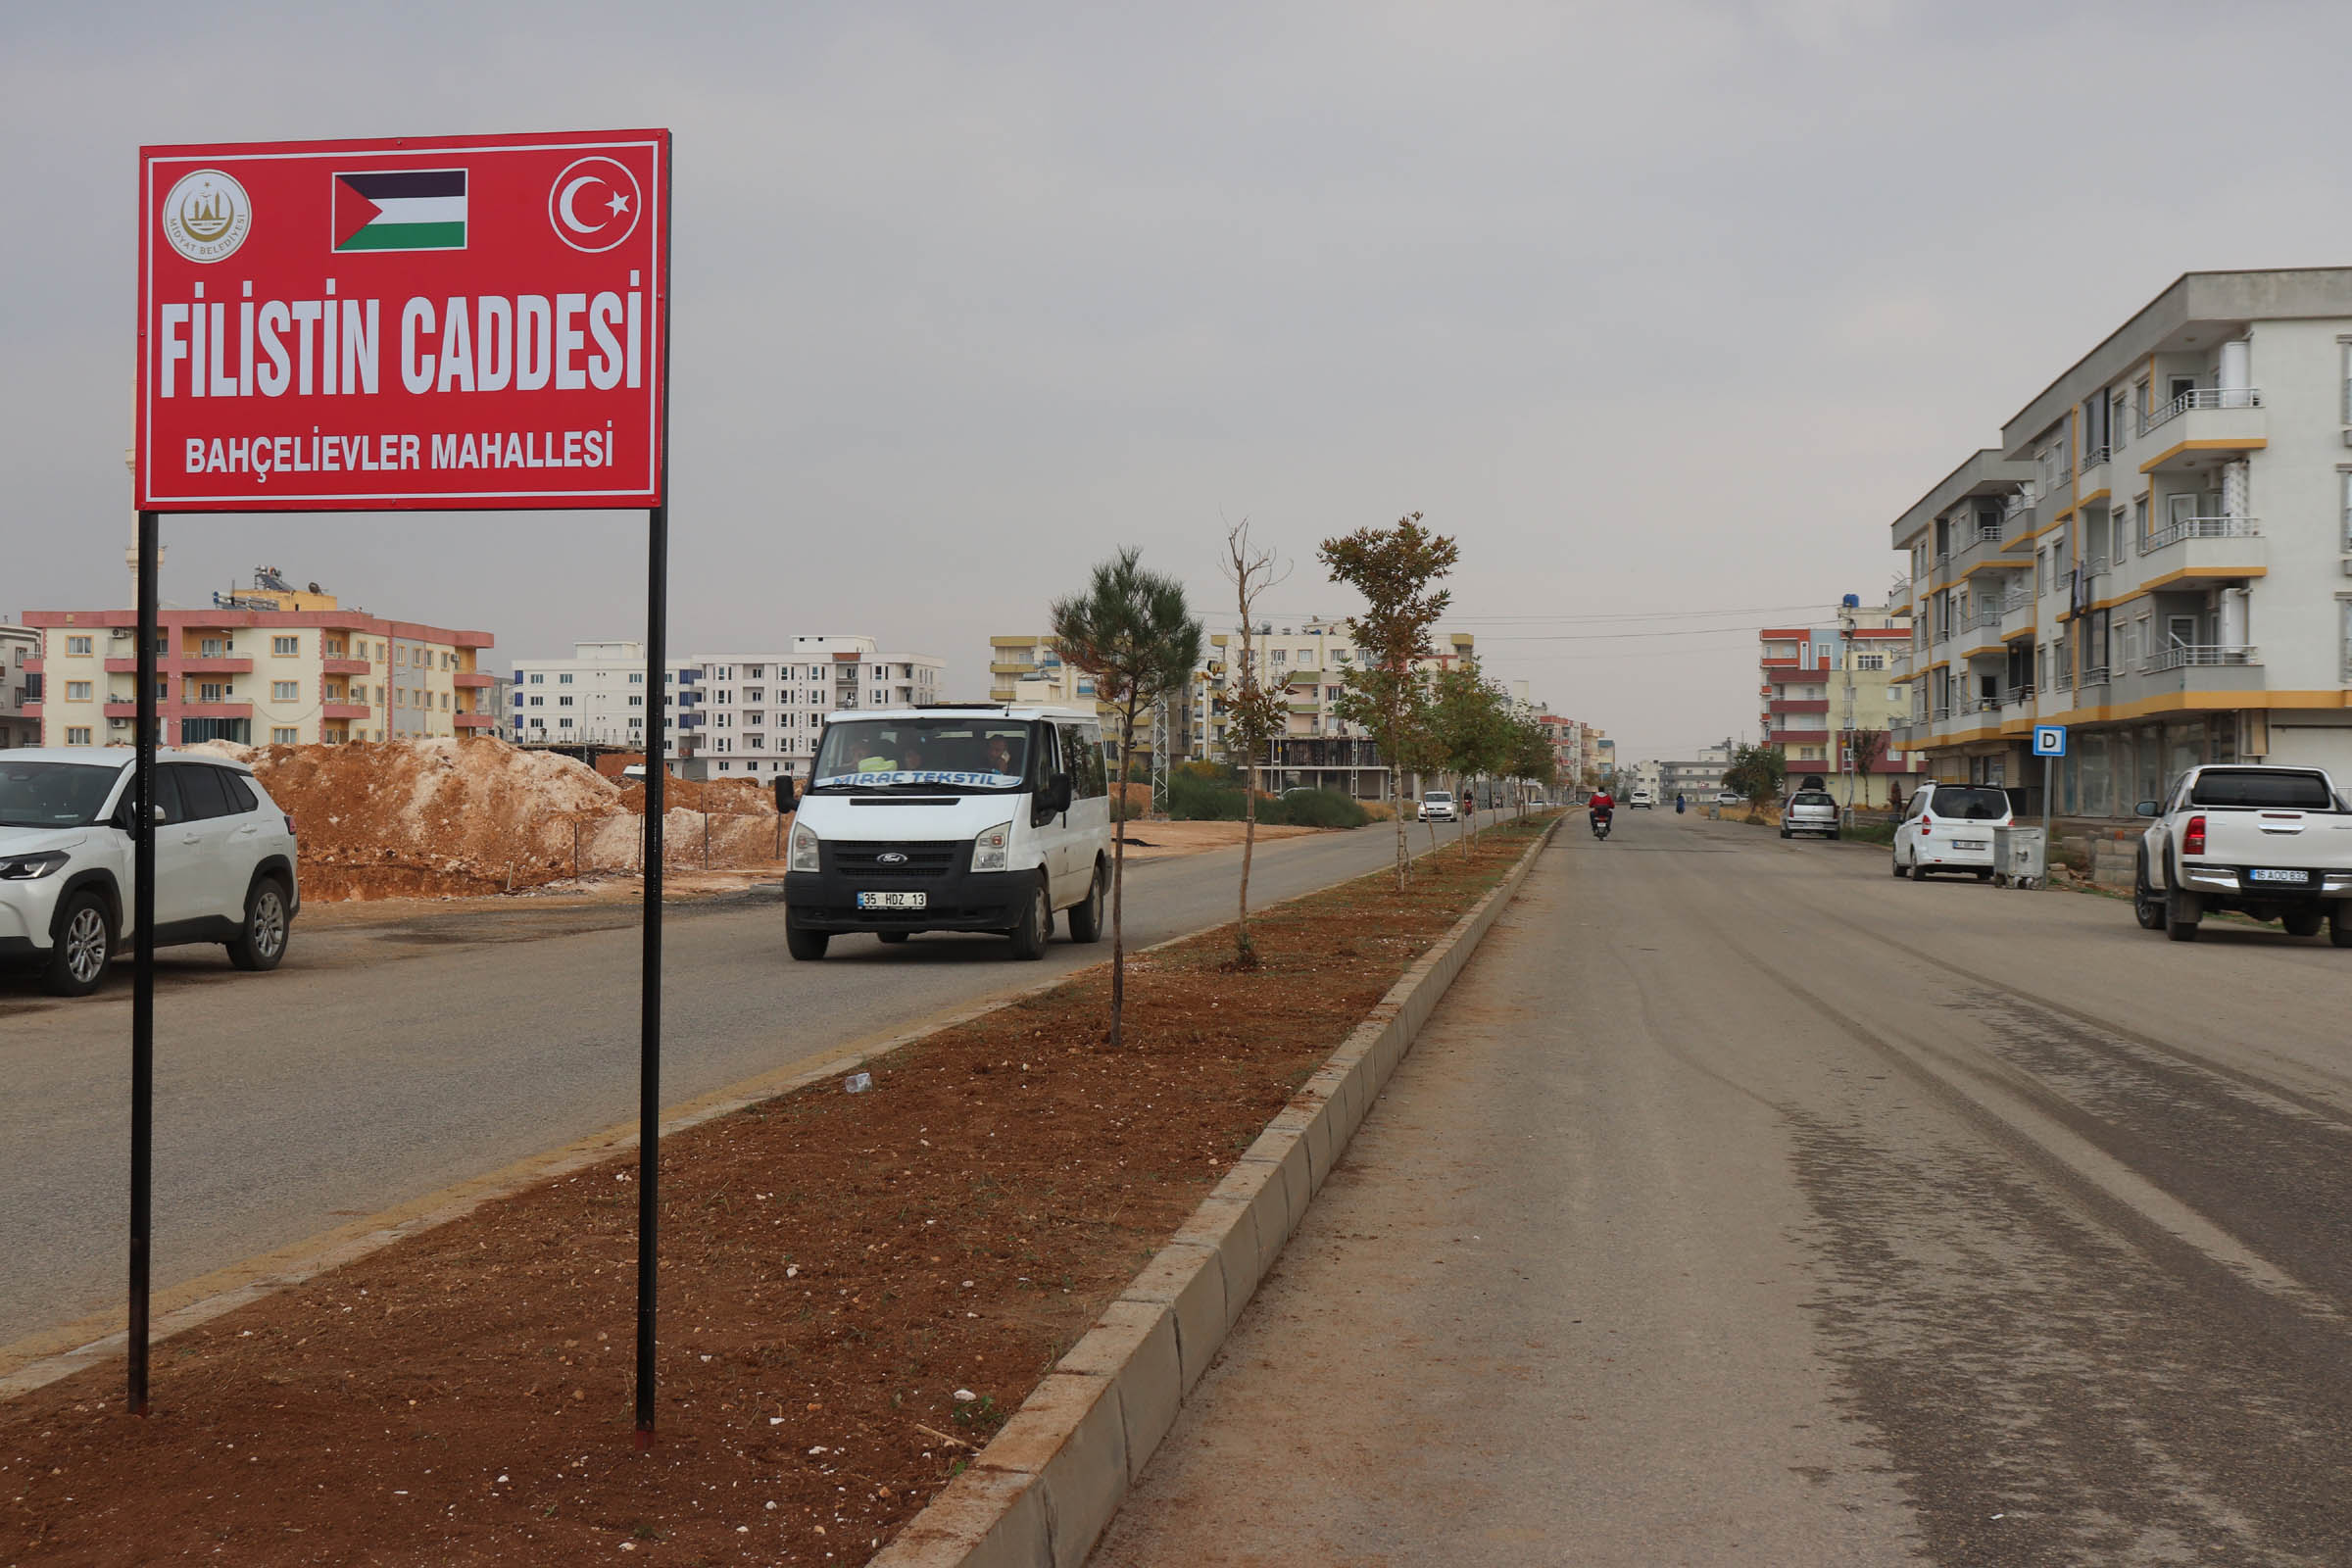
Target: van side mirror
<point x="785" y="796"/>
<point x="1054" y="798"/>
<point x="2146" y="808"/>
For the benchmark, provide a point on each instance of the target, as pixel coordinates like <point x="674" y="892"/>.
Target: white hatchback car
<point x="224" y="861"/>
<point x="1948" y="827"/>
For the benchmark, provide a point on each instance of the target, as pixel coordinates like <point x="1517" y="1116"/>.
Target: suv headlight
<point x="992" y="849"/>
<point x="32" y="868"/>
<point x="803" y="849"/>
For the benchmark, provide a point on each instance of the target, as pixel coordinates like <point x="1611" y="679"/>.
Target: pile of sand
<point x="445" y="816"/>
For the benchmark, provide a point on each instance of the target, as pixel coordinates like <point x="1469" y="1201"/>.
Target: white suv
<point x="1437" y="806"/>
<point x="224" y="861"/>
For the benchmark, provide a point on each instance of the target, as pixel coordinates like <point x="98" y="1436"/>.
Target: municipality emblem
<point x="206" y="216"/>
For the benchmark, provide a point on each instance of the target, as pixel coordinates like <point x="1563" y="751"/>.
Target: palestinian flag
<point x="410" y="210"/>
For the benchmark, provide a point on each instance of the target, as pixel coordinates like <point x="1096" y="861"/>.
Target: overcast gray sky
<point x="1656" y="307"/>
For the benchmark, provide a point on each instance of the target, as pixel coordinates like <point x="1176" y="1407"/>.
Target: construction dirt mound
<point x="449" y="816"/>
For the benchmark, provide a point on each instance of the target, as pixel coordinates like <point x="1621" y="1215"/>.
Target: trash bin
<point x="2019" y="857"/>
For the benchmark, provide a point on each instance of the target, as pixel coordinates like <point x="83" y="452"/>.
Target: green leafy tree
<point x="1757" y="772"/>
<point x="1254" y="711"/>
<point x="1470" y="719"/>
<point x="1532" y="758"/>
<point x="1396" y="570"/>
<point x="1133" y="632"/>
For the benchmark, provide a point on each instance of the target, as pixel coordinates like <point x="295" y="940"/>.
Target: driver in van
<point x="1001" y="757"/>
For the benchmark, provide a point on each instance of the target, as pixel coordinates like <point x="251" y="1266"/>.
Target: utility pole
<point x="1846" y="612"/>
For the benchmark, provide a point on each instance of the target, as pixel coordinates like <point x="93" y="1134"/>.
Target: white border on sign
<point x="555" y="500"/>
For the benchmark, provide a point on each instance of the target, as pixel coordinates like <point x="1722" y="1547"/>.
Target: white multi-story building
<point x="2158" y="556"/>
<point x="730" y="714"/>
<point x="20" y="685"/>
<point x="597" y="698"/>
<point x="1308" y="662"/>
<point x="762" y="712"/>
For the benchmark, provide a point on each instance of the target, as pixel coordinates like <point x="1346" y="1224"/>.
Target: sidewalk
<point x="1548" y="1309"/>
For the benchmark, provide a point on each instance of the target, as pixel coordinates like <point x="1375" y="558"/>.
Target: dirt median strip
<point x="838" y="1270"/>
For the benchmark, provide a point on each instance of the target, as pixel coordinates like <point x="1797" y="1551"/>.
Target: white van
<point x="983" y="817"/>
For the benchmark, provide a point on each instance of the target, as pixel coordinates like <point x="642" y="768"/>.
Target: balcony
<point x="343" y="710"/>
<point x="1799" y="705"/>
<point x="345" y="667"/>
<point x="2205" y="549"/>
<point x="476" y="721"/>
<point x="472" y="680"/>
<point x="183" y="664"/>
<point x="1978" y="548"/>
<point x="2091" y="474"/>
<point x="1979" y="632"/>
<point x="2199" y="655"/>
<point x="2207" y="420"/>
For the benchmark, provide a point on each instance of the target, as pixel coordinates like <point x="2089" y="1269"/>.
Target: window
<point x="285" y="647"/>
<point x="2347" y="509"/>
<point x="213" y="691"/>
<point x="77" y="735"/>
<point x="78" y="645"/>
<point x="538" y="702"/>
<point x="563" y="701"/>
<point x="563" y="724"/>
<point x="562" y="680"/>
<point x="1869" y="660"/>
<point x="634" y="702"/>
<point x="537" y="679"/>
<point x="754" y="743"/>
<point x="331" y="647"/>
<point x="636" y="677"/>
<point x="285" y="737"/>
<point x="77" y="691"/>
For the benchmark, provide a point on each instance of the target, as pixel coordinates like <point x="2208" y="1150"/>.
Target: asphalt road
<point x="384" y="1062"/>
<point x="1743" y="1205"/>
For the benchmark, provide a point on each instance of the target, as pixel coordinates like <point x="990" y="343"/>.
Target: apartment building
<point x="1822" y="684"/>
<point x="762" y="713"/>
<point x="272" y="665"/>
<point x="1028" y="667"/>
<point x="20" y="685"/>
<point x="2158" y="555"/>
<point x="727" y="715"/>
<point x="1308" y="662"/>
<point x="1697" y="778"/>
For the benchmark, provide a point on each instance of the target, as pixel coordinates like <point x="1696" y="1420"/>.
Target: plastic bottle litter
<point x="858" y="1083"/>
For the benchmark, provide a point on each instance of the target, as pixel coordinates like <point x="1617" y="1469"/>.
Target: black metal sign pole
<point x="649" y="984"/>
<point x="142" y="983"/>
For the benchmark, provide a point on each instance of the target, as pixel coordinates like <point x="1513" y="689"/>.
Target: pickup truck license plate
<point x="2296" y="878"/>
<point x="892" y="900"/>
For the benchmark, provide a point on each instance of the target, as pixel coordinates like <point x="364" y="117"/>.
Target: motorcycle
<point x="1600" y="824"/>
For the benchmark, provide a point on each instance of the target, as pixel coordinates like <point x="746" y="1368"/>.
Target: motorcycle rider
<point x="1603" y="808"/>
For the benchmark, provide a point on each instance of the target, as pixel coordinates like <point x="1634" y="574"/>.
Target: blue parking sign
<point x="2049" y="740"/>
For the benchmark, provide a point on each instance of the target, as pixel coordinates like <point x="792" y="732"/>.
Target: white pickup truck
<point x="2274" y="843"/>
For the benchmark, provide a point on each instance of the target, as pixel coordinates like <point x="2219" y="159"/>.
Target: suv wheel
<point x="2339" y="925"/>
<point x="85" y="942"/>
<point x="262" y="940"/>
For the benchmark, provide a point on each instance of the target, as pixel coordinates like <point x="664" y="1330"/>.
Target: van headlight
<point x="32" y="868"/>
<point x="992" y="851"/>
<point x="803" y="849"/>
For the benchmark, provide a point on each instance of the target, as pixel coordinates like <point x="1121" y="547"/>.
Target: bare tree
<point x="1253" y="714"/>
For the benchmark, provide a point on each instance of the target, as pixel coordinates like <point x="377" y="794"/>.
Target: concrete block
<point x="1165" y="1277"/>
<point x="1086" y="1478"/>
<point x="1200" y="1312"/>
<point x="1225" y="1223"/>
<point x="1270" y="1218"/>
<point x="983" y="1519"/>
<point x="1134" y="1346"/>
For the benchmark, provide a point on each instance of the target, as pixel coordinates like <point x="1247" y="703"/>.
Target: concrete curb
<point x="1043" y="1490"/>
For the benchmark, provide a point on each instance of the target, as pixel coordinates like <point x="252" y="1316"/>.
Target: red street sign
<point x="457" y="322"/>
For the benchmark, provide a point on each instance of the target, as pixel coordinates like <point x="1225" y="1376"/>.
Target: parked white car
<point x="985" y="817"/>
<point x="1948" y="827"/>
<point x="1809" y="812"/>
<point x="2271" y="843"/>
<point x="1437" y="806"/>
<point x="224" y="858"/>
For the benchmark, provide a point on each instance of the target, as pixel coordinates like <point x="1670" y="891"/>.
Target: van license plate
<point x="1971" y="844"/>
<point x="891" y="901"/>
<point x="2298" y="878"/>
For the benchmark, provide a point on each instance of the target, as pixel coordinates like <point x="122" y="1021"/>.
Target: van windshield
<point x="964" y="756"/>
